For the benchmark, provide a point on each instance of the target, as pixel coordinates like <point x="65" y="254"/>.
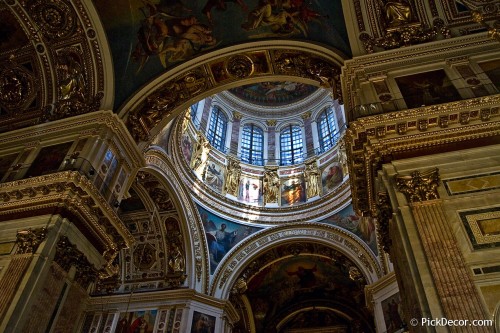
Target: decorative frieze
<point x="28" y="240"/>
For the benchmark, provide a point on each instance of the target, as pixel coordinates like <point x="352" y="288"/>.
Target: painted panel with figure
<point x="392" y="313"/>
<point x="250" y="191"/>
<point x="427" y="88"/>
<point x="202" y="323"/>
<point x="148" y="36"/>
<point x="361" y="226"/>
<point x="293" y="191"/>
<point x="137" y="321"/>
<point x="331" y="177"/>
<point x="214" y="176"/>
<point x="222" y="235"/>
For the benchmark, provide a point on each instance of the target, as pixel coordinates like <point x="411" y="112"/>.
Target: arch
<point x="197" y="269"/>
<point x="171" y="93"/>
<point x="243" y="254"/>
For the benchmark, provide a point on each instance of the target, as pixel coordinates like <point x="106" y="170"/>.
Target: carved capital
<point x="419" y="186"/>
<point x="28" y="240"/>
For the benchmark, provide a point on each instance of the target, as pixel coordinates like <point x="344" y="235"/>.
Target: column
<point x="309" y="135"/>
<point x="235" y="132"/>
<point x="204" y="114"/>
<point x="271" y="140"/>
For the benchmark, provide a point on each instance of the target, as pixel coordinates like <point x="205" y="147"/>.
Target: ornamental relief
<point x="58" y="45"/>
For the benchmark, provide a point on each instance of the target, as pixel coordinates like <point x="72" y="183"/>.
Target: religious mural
<point x="214" y="176"/>
<point x="273" y="93"/>
<point x="363" y="227"/>
<point x="293" y="191"/>
<point x="202" y="323"/>
<point x="137" y="321"/>
<point x="222" y="235"/>
<point x="392" y="313"/>
<point x="331" y="177"/>
<point x="148" y="36"/>
<point x="427" y="88"/>
<point x="250" y="190"/>
<point x="297" y="279"/>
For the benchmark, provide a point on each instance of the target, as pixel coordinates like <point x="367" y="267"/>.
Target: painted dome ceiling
<point x="273" y="93"/>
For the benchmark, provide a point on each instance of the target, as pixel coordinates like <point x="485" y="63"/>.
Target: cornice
<point x="68" y="192"/>
<point x="375" y="140"/>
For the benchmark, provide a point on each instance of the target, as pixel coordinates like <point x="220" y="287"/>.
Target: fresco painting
<point x="202" y="323"/>
<point x="214" y="176"/>
<point x="392" y="313"/>
<point x="222" y="235"/>
<point x="291" y="280"/>
<point x="363" y="227"/>
<point x="250" y="190"/>
<point x="427" y="88"/>
<point x="293" y="191"/>
<point x="158" y="34"/>
<point x="138" y="321"/>
<point x="273" y="93"/>
<point x="331" y="177"/>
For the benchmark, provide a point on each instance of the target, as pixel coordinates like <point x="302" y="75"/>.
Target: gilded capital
<point x="384" y="216"/>
<point x="306" y="115"/>
<point x="419" y="186"/>
<point x="271" y="122"/>
<point x="28" y="240"/>
<point x="237" y="115"/>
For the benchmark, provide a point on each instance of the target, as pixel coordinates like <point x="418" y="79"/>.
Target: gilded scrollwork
<point x="419" y="186"/>
<point x="28" y="240"/>
<point x="240" y="66"/>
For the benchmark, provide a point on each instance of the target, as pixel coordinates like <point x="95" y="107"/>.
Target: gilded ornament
<point x="28" y="240"/>
<point x="312" y="175"/>
<point x="419" y="186"/>
<point x="55" y="18"/>
<point x="240" y="66"/>
<point x="17" y="87"/>
<point x="144" y="256"/>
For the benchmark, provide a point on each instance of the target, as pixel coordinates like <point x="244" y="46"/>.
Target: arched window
<point x="252" y="145"/>
<point x="193" y="114"/>
<point x="291" y="145"/>
<point x="216" y="134"/>
<point x="327" y="130"/>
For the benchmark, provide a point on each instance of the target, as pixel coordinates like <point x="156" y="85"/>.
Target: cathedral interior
<point x="249" y="166"/>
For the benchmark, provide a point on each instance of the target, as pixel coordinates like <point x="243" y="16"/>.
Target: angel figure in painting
<point x="233" y="177"/>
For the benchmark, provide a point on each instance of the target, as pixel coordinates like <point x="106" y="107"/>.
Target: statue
<point x="343" y="157"/>
<point x="271" y="186"/>
<point x="397" y="12"/>
<point x="176" y="261"/>
<point x="200" y="155"/>
<point x="312" y="179"/>
<point x="232" y="177"/>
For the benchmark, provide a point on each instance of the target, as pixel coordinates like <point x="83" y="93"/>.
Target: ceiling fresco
<point x="273" y="93"/>
<point x="148" y="36"/>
